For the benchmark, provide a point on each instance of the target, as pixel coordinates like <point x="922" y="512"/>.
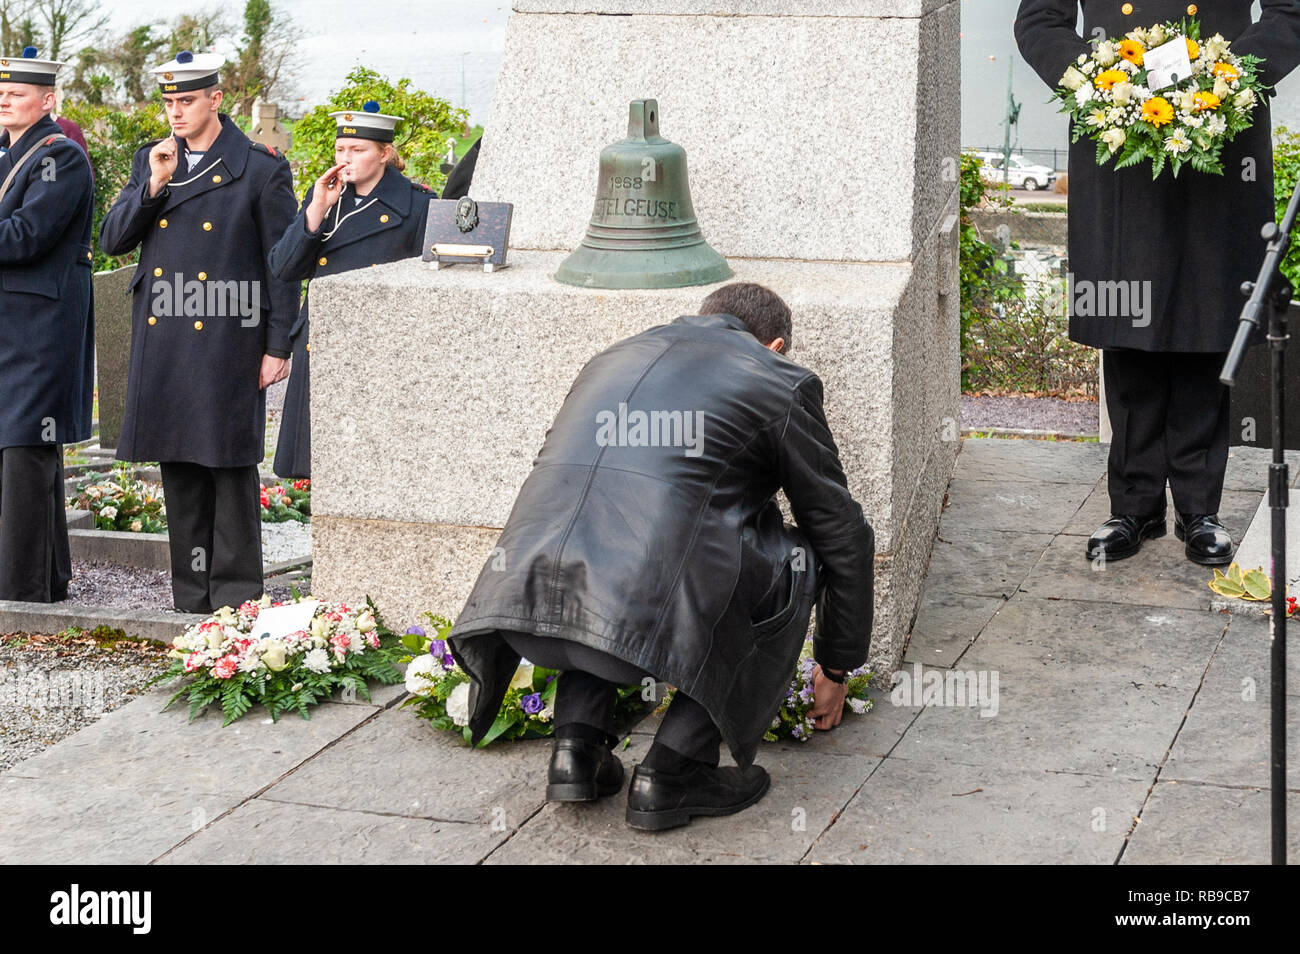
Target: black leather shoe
<point x="1208" y="541"/>
<point x="658" y="800"/>
<point x="582" y="771"/>
<point x="1122" y="535"/>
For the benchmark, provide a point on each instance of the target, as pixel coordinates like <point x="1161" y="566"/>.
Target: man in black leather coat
<point x="647" y="542"/>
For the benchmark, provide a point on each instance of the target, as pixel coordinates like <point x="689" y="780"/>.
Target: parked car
<point x="1020" y="173"/>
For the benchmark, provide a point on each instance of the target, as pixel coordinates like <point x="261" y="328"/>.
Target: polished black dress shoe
<point x="1122" y="535"/>
<point x="582" y="771"/>
<point x="1208" y="541"/>
<point x="657" y="800"/>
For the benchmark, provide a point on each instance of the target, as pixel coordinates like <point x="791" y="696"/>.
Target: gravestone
<point x="266" y="127"/>
<point x="433" y="390"/>
<point x="112" y="349"/>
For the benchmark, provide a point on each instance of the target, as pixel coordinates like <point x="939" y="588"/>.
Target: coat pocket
<point x="783" y="597"/>
<point x="30" y="283"/>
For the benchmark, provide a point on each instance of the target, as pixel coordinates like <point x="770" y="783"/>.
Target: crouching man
<point x="647" y="542"/>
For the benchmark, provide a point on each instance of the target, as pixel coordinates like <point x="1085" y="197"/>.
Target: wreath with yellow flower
<point x="1109" y="98"/>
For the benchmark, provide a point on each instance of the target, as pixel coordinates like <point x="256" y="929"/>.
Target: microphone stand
<point x="1272" y="291"/>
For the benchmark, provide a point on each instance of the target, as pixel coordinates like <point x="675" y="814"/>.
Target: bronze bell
<point x="643" y="232"/>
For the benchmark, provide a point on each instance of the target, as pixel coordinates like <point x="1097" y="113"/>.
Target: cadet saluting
<point x="46" y="327"/>
<point x="210" y="328"/>
<point x="361" y="212"/>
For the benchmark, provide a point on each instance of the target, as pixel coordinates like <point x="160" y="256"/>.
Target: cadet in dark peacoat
<point x="46" y="319"/>
<point x="192" y="387"/>
<point x="387" y="225"/>
<point x="1195" y="238"/>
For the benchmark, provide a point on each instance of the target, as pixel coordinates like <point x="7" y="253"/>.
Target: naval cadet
<point x="46" y="327"/>
<point x="360" y="212"/>
<point x="210" y="328"/>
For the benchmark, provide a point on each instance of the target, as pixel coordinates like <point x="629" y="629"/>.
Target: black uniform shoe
<point x="657" y="800"/>
<point x="582" y="771"/>
<point x="1208" y="541"/>
<point x="1122" y="535"/>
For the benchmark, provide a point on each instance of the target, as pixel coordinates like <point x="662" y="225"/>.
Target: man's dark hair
<point x="764" y="313"/>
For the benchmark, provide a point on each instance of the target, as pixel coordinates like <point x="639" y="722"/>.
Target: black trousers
<point x="588" y="689"/>
<point x="214" y="526"/>
<point x="1169" y="415"/>
<point x="35" y="563"/>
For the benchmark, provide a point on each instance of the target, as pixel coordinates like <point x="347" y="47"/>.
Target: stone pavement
<point x="1128" y="723"/>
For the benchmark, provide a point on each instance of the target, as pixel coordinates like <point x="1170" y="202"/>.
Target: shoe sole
<point x="677" y="817"/>
<point x="1123" y="554"/>
<point x="1203" y="561"/>
<point x="579" y="791"/>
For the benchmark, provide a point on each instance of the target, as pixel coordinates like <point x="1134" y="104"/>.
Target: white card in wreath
<point x="1167" y="64"/>
<point x="277" y="621"/>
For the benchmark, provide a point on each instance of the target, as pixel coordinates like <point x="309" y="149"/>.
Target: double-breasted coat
<point x="1195" y="238"/>
<point x="207" y="308"/>
<point x="385" y="226"/>
<point x="665" y="546"/>
<point x="47" y="338"/>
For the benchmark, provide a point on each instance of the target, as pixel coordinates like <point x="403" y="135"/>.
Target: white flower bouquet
<point x="1110" y="97"/>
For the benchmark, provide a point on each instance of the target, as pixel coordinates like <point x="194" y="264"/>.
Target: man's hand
<point x="828" y="701"/>
<point x="273" y="369"/>
<point x="328" y="190"/>
<point x="162" y="164"/>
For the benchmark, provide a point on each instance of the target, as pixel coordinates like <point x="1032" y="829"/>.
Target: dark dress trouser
<point x="214" y="528"/>
<point x="1169" y="417"/>
<point x="35" y="562"/>
<point x="588" y="689"/>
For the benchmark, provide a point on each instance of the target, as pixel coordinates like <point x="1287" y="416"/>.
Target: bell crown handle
<point x="643" y="119"/>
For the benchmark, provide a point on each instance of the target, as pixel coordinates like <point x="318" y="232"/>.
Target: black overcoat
<point x="387" y="225"/>
<point x="659" y="546"/>
<point x="47" y="338"/>
<point x="1195" y="238"/>
<point x="197" y="340"/>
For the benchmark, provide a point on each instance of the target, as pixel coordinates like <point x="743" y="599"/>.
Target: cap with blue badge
<point x="28" y="69"/>
<point x="365" y="123"/>
<point x="189" y="71"/>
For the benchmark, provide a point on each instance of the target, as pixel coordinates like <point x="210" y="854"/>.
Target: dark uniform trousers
<point x="588" y="689"/>
<point x="35" y="563"/>
<point x="214" y="527"/>
<point x="1169" y="415"/>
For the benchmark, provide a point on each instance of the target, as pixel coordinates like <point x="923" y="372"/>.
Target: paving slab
<point x="922" y="812"/>
<point x="86" y="819"/>
<point x="1236" y="510"/>
<point x="139" y="747"/>
<point x="1080" y="687"/>
<point x="1248" y="468"/>
<point x="1011" y="505"/>
<point x="1052" y="462"/>
<point x="1159" y="574"/>
<point x="1187" y="824"/>
<point x="946" y="625"/>
<point x="983" y="562"/>
<point x="808" y="789"/>
<point x="261" y="831"/>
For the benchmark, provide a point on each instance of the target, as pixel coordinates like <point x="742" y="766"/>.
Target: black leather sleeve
<point x="842" y="540"/>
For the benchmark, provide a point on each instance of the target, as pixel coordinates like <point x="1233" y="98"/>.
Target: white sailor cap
<point x="366" y="123"/>
<point x="28" y="69"/>
<point x="189" y="71"/>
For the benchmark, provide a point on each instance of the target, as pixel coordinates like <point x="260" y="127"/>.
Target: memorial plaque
<point x="462" y="231"/>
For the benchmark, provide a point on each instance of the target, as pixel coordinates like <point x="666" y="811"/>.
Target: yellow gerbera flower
<point x="1157" y="111"/>
<point x="1131" y="50"/>
<point x="1227" y="71"/>
<point x="1108" y="78"/>
<point x="1193" y="51"/>
<point x="1204" y="99"/>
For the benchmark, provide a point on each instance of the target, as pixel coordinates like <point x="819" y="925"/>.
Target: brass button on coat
<point x="90" y="255"/>
<point x="157" y="273"/>
<point x="216" y="178"/>
<point x="307" y="347"/>
<point x="203" y="276"/>
<point x="162" y="223"/>
<point x="1191" y="8"/>
<point x="383" y="218"/>
<point x="1126" y="9"/>
<point x="322" y="260"/>
<point x="198" y="326"/>
<point x="207" y="226"/>
<point x="153" y="320"/>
